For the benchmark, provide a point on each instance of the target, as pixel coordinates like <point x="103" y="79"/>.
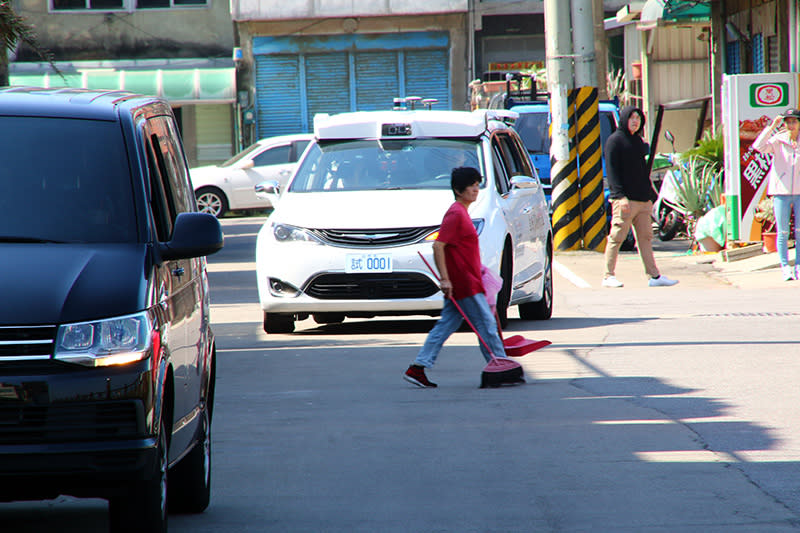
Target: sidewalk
<point x="675" y="260"/>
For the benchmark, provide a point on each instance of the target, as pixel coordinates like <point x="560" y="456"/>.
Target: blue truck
<point x="533" y="125"/>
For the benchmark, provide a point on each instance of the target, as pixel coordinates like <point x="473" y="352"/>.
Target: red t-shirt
<point x="462" y="253"/>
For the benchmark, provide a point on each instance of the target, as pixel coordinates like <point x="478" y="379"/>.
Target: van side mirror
<point x="194" y="235"/>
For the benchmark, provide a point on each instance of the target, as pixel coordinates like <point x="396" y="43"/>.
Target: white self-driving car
<point x="370" y="193"/>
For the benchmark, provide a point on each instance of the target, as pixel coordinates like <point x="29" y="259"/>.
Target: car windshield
<point x="241" y="155"/>
<point x="534" y="130"/>
<point x="64" y="180"/>
<point x="384" y="164"/>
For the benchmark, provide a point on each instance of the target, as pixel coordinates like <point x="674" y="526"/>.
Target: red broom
<point x="500" y="370"/>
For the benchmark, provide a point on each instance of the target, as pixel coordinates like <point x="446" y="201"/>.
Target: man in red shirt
<point x="457" y="257"/>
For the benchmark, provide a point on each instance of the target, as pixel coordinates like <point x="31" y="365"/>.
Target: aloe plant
<point x="699" y="190"/>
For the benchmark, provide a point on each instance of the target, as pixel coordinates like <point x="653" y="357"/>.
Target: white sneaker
<point x="662" y="281"/>
<point x="788" y="273"/>
<point x="612" y="282"/>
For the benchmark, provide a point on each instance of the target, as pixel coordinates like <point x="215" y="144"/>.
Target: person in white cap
<point x="783" y="182"/>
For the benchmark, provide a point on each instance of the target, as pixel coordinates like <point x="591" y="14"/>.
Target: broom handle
<point x="463" y="314"/>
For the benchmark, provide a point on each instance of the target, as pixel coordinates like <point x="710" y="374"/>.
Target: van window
<point x="65" y="180"/>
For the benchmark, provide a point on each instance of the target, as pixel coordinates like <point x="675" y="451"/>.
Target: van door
<point x="182" y="303"/>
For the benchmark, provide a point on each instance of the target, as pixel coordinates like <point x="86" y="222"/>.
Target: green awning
<point x="217" y="85"/>
<point x="675" y="10"/>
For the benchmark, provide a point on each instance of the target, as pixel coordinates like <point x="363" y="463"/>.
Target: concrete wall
<point x="309" y="9"/>
<point x="147" y="33"/>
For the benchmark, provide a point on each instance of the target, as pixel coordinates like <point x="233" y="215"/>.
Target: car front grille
<point x="383" y="286"/>
<point x="42" y="424"/>
<point x="19" y="343"/>
<point x="367" y="238"/>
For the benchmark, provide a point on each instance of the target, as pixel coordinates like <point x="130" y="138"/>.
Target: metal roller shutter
<point x="427" y="75"/>
<point x="327" y="84"/>
<point x="376" y="80"/>
<point x="278" y="99"/>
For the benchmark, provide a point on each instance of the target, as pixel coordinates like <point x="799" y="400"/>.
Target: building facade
<point x="177" y="49"/>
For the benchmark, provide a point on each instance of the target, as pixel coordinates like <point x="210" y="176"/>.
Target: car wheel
<point x="629" y="244"/>
<point x="543" y="309"/>
<point x="668" y="223"/>
<point x="211" y="200"/>
<point x="143" y="506"/>
<point x="278" y="323"/>
<point x="328" y="318"/>
<point x="190" y="480"/>
<point x="504" y="296"/>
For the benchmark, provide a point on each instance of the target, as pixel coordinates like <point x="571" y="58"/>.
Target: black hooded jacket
<point x="626" y="164"/>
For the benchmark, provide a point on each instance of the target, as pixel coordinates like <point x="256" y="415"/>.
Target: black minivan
<point x="107" y="360"/>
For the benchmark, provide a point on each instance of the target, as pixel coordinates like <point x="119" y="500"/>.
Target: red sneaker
<point x="416" y="375"/>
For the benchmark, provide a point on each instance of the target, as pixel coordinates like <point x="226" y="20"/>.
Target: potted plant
<point x="765" y="214"/>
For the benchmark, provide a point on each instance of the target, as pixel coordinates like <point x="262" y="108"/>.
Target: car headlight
<point x="114" y="341"/>
<point x="287" y="233"/>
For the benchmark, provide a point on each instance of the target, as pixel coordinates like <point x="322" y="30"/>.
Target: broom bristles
<point x="497" y="378"/>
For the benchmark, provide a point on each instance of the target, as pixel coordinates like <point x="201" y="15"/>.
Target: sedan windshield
<point x="364" y="165"/>
<point x="64" y="180"/>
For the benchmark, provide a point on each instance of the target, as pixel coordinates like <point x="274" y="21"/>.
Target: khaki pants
<point x="639" y="216"/>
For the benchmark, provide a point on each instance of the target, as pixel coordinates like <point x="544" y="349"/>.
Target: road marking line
<point x="571" y="276"/>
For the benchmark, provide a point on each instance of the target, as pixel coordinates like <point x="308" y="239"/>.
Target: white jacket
<point x="784" y="175"/>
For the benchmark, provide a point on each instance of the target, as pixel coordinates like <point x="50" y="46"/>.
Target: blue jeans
<point x="782" y="203"/>
<point x="478" y="312"/>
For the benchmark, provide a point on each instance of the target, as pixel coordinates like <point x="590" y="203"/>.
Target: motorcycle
<point x="669" y="221"/>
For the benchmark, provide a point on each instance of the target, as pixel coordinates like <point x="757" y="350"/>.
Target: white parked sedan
<point x="371" y="191"/>
<point x="229" y="186"/>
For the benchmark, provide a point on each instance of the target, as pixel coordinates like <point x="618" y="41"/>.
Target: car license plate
<point x="368" y="263"/>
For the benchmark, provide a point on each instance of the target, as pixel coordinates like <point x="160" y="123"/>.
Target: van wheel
<point x="190" y="480"/>
<point x="212" y="201"/>
<point x="543" y="309"/>
<point x="278" y="323"/>
<point x="143" y="506"/>
<point x="504" y="296"/>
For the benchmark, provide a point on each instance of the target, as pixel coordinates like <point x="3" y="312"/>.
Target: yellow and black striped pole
<point x="590" y="152"/>
<point x="565" y="196"/>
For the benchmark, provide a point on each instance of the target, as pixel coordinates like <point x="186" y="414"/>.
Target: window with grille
<point x="126" y="5"/>
<point x="758" y="53"/>
<point x="734" y="58"/>
<point x="774" y="58"/>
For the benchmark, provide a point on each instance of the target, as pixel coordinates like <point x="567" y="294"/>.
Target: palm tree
<point x="13" y="29"/>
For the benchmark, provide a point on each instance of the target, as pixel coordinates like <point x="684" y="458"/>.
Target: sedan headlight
<point x="113" y="341"/>
<point x="287" y="233"/>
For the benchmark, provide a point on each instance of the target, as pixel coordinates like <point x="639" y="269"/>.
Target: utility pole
<point x="563" y="173"/>
<point x="601" y="49"/>
<point x="583" y="43"/>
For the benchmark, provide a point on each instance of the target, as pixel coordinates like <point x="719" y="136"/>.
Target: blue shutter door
<point x="427" y="74"/>
<point x="278" y="110"/>
<point x="376" y="80"/>
<point x="328" y="84"/>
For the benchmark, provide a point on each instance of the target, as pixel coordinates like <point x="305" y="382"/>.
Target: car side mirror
<point x="194" y="235"/>
<point x="268" y="190"/>
<point x="523" y="182"/>
<point x="247" y="165"/>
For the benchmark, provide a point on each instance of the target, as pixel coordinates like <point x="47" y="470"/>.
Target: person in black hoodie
<point x="631" y="197"/>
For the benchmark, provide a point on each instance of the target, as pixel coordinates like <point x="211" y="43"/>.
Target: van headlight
<point x="114" y="341"/>
<point x="287" y="233"/>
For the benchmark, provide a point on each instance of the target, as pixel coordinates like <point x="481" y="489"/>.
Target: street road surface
<point x="654" y="410"/>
